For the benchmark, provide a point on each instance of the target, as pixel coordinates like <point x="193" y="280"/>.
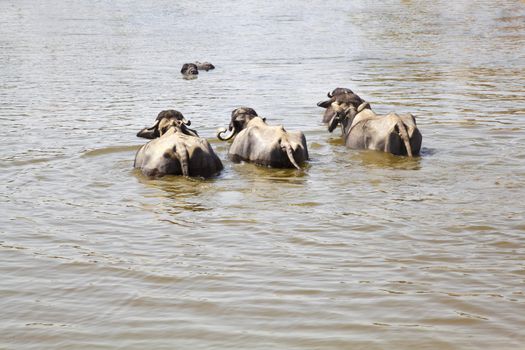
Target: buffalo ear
<point x="325" y="104"/>
<point x="332" y="124"/>
<point x="150" y="133"/>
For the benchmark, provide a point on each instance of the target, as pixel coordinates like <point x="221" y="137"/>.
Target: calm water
<point x="362" y="250"/>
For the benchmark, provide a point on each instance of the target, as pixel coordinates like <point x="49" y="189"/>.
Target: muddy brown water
<point x="361" y="250"/>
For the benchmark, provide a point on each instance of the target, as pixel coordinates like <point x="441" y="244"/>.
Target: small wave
<point x="109" y="150"/>
<point x="15" y="163"/>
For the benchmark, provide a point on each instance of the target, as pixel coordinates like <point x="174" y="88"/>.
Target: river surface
<point x="361" y="250"/>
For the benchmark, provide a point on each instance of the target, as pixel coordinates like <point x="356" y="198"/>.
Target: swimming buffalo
<point x="175" y="149"/>
<point x="191" y="70"/>
<point x="341" y="95"/>
<point x="257" y="142"/>
<point x="364" y="129"/>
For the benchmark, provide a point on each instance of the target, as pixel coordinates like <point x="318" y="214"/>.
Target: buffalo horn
<point x="222" y="131"/>
<point x="362" y="106"/>
<point x="186" y="122"/>
<point x="151" y="132"/>
<point x="189" y="131"/>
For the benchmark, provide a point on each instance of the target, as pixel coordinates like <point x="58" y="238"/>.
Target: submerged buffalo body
<point x="175" y="149"/>
<point x="363" y="129"/>
<point x="259" y="143"/>
<point x="342" y="95"/>
<point x="204" y="66"/>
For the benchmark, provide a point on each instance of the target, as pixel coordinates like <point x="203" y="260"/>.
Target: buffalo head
<point x="189" y="69"/>
<point x="165" y="120"/>
<point x="239" y="120"/>
<point x="338" y="95"/>
<point x="331" y="95"/>
<point x="339" y="91"/>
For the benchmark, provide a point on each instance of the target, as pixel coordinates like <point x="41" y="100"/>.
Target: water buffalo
<point x="257" y="142"/>
<point x="363" y="129"/>
<point x="189" y="69"/>
<point x="175" y="149"/>
<point x="341" y="95"/>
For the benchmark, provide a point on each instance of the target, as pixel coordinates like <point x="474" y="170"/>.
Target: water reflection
<point x="249" y="171"/>
<point x="109" y="150"/>
<point x="176" y="195"/>
<point x="377" y="159"/>
<point x="174" y="186"/>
